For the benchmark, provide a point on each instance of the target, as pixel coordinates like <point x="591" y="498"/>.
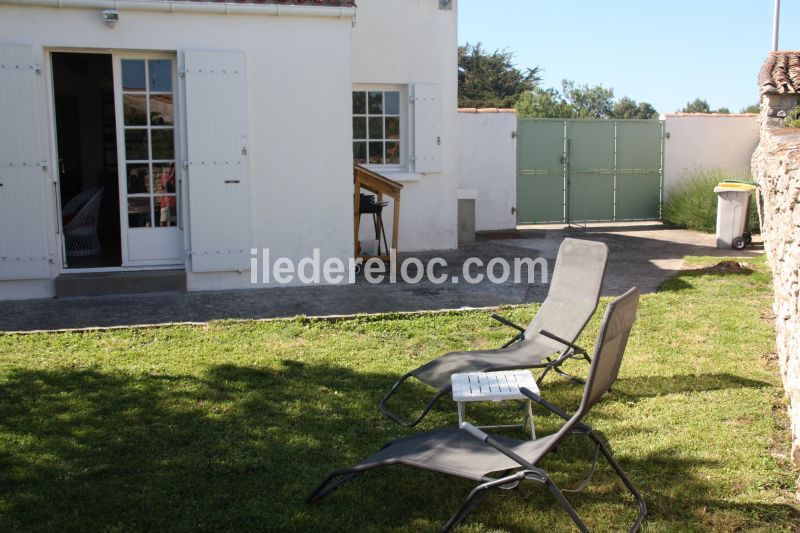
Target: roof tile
<point x="780" y="73"/>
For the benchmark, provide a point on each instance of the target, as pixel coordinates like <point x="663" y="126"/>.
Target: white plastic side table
<point x="494" y="387"/>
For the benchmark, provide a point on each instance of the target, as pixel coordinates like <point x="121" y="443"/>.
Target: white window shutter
<point x="23" y="210"/>
<point x="217" y="170"/>
<point x="427" y="128"/>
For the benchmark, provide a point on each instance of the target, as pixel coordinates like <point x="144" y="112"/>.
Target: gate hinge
<point x="37" y="68"/>
<point x="513" y="134"/>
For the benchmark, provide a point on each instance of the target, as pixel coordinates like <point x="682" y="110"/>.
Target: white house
<point x="179" y="135"/>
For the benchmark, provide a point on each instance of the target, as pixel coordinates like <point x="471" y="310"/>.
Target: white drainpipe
<point x="193" y="7"/>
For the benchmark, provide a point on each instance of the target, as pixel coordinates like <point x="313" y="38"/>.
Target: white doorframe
<point x="52" y="134"/>
<point x="149" y="246"/>
<point x="179" y="102"/>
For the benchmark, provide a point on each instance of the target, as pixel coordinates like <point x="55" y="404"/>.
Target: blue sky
<point x="665" y="52"/>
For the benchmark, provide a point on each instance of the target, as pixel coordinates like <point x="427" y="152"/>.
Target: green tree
<point x="625" y="108"/>
<point x="697" y="106"/>
<point x="646" y="110"/>
<point x="491" y="79"/>
<point x="754" y="108"/>
<point x="628" y="108"/>
<point x="701" y="106"/>
<point x="543" y="103"/>
<point x="586" y="101"/>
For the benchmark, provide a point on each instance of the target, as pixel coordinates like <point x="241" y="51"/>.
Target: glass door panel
<point x="149" y="190"/>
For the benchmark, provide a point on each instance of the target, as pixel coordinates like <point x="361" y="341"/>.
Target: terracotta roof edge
<point x="486" y="110"/>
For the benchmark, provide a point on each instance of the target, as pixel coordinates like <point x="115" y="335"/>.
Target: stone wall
<point x="776" y="168"/>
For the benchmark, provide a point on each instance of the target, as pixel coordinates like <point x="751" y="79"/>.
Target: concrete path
<point x="640" y="255"/>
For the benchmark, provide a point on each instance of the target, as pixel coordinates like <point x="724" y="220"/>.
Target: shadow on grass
<point x="683" y="279"/>
<point x="238" y="447"/>
<point x="644" y="387"/>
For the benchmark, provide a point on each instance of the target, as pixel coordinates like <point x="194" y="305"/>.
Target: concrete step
<point x="105" y="283"/>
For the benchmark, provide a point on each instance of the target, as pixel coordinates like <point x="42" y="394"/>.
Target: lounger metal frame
<point x="553" y="362"/>
<point x="570" y="351"/>
<point x="529" y="472"/>
<point x="598" y="383"/>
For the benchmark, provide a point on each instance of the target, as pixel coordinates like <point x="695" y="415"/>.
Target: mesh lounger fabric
<point x="570" y="303"/>
<point x="455" y="452"/>
<point x="473" y="455"/>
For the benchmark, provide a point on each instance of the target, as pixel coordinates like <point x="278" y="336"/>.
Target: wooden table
<point x="381" y="186"/>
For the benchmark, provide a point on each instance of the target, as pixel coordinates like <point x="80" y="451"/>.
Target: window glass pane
<point x="392" y="153"/>
<point x="380" y="128"/>
<point x="360" y="152"/>
<point x="135" y="144"/>
<point x="359" y="103"/>
<point x="359" y="127"/>
<point x="392" y="127"/>
<point x="166" y="209"/>
<point x="392" y="102"/>
<point x="139" y="212"/>
<point x="375" y="128"/>
<point x="163" y="144"/>
<point x="138" y="179"/>
<point x="133" y="75"/>
<point x="375" y="102"/>
<point x="376" y="153"/>
<point x="160" y="75"/>
<point x="161" y="110"/>
<point x="164" y="178"/>
<point x="134" y="109"/>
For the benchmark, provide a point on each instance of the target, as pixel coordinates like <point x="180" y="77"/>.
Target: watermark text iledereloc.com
<point x="313" y="270"/>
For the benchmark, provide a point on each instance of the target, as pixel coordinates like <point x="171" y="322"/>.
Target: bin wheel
<point x="739" y="243"/>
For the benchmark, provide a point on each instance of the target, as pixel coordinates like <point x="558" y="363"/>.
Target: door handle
<point x="231" y="181"/>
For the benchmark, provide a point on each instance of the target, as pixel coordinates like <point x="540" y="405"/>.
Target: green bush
<point x="692" y="204"/>
<point x="792" y="119"/>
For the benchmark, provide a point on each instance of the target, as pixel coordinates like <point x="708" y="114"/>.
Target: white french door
<point x="149" y="179"/>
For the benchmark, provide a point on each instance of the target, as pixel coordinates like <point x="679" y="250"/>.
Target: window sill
<point x="401" y="175"/>
<point x="395" y="173"/>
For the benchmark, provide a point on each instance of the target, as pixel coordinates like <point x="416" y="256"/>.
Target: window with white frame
<point x="378" y="125"/>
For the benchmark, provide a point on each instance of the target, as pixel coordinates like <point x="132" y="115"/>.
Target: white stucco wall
<point x="299" y="109"/>
<point x="403" y="42"/>
<point x="487" y="164"/>
<point x="703" y="141"/>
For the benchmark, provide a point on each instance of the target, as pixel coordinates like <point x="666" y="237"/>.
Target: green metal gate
<point x="589" y="170"/>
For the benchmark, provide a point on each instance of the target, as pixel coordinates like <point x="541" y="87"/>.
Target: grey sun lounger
<point x="470" y="453"/>
<point x="571" y="301"/>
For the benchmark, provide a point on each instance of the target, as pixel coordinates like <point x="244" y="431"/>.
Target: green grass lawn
<point x="229" y="427"/>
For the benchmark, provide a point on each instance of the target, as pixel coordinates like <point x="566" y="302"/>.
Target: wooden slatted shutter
<point x="219" y="189"/>
<point x="23" y="184"/>
<point x="427" y="128"/>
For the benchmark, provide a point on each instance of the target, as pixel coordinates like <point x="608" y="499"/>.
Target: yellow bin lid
<point x="736" y="186"/>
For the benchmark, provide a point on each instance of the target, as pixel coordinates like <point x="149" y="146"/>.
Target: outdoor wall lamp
<point x="110" y="17"/>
